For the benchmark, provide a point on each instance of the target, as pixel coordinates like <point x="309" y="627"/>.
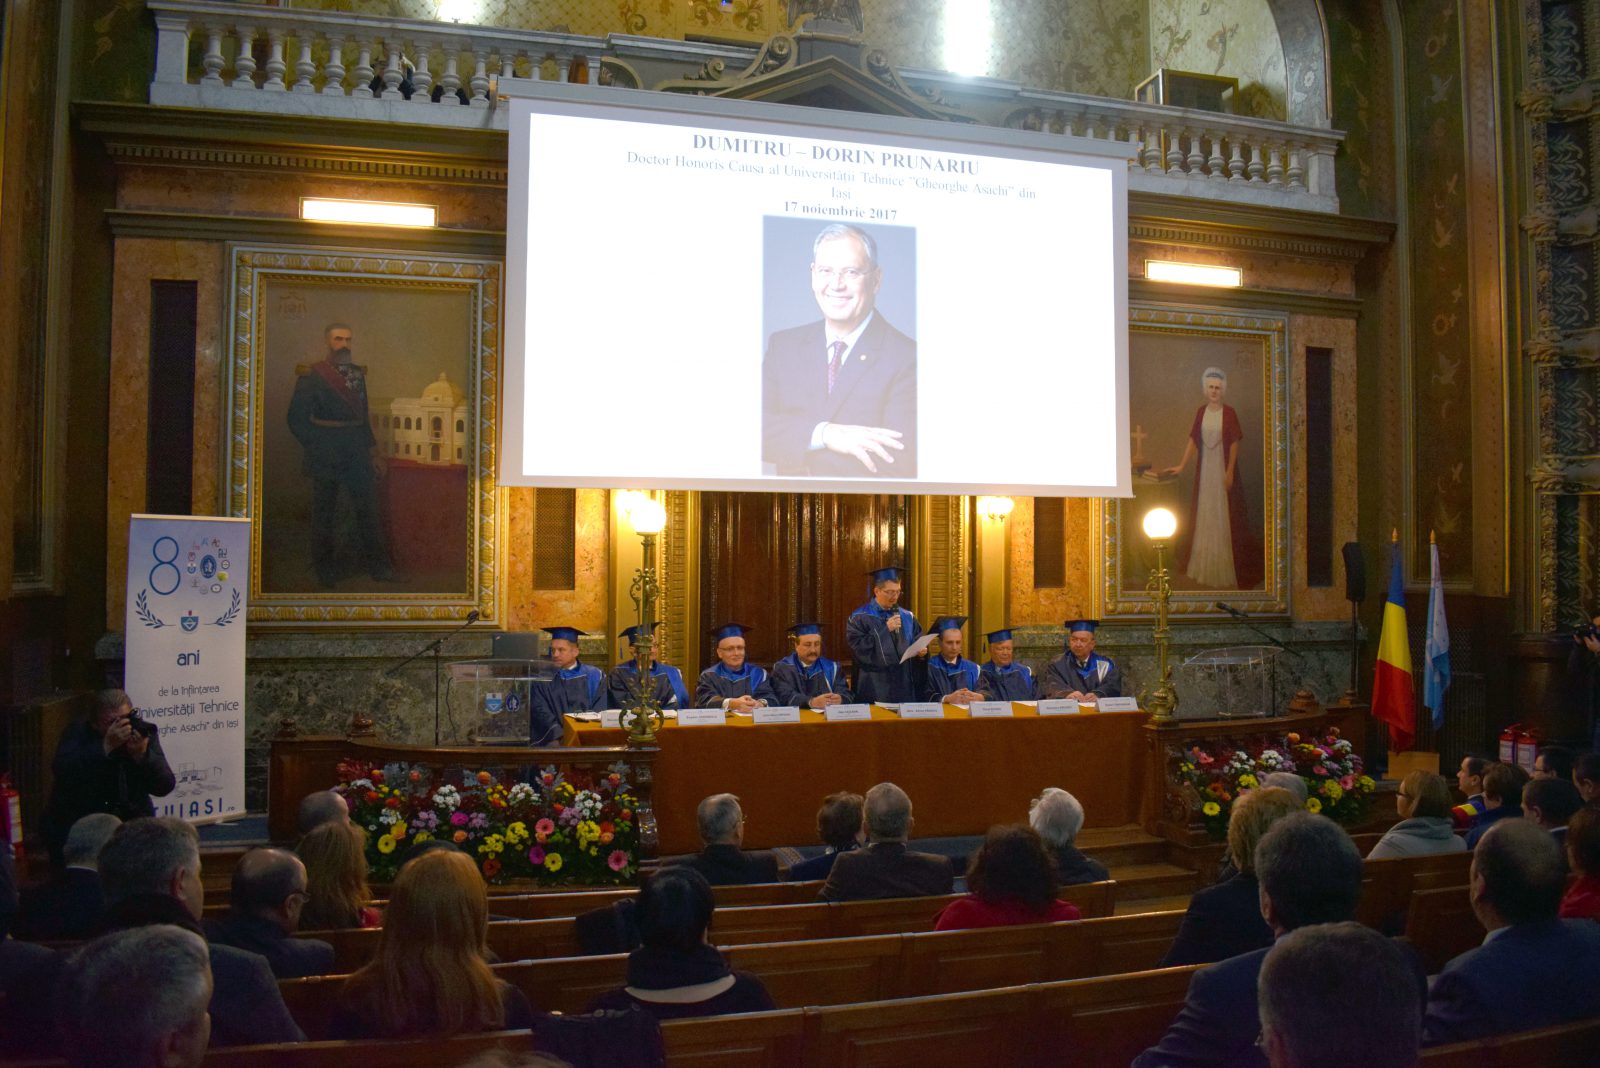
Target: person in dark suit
<point x="110" y="761"/>
<point x="722" y="862"/>
<point x="1534" y="969"/>
<point x="879" y="633"/>
<point x="1080" y="673"/>
<point x="1502" y="799"/>
<point x="268" y="892"/>
<point x="839" y="396"/>
<point x="1310" y="873"/>
<point x="805" y="678"/>
<point x="1224" y="919"/>
<point x="1058" y="817"/>
<point x="69" y="905"/>
<point x="1317" y="981"/>
<point x="150" y="871"/>
<point x="886" y="868"/>
<point x="138" y="997"/>
<point x="839" y="826"/>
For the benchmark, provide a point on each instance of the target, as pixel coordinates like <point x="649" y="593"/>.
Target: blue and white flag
<point x="1437" y="649"/>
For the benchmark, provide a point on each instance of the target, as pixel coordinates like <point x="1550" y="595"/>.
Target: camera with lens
<point x="1586" y="630"/>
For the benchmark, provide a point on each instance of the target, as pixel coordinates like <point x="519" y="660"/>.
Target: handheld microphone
<point x="1236" y="613"/>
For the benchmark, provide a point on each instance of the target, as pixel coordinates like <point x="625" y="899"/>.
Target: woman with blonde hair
<point x="335" y="856"/>
<point x="430" y="977"/>
<point x="1225" y="920"/>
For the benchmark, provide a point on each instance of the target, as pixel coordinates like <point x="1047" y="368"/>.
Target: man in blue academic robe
<point x="805" y="678"/>
<point x="576" y="687"/>
<point x="878" y="634"/>
<point x="1002" y="678"/>
<point x="732" y="684"/>
<point x="1080" y="673"/>
<point x="951" y="676"/>
<point x="622" y="685"/>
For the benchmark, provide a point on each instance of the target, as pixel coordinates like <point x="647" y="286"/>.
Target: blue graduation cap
<point x="565" y="634"/>
<point x="887" y="574"/>
<point x="729" y="630"/>
<point x="1090" y="625"/>
<point x="800" y="630"/>
<point x="1001" y="635"/>
<point x="944" y="623"/>
<point x="646" y="630"/>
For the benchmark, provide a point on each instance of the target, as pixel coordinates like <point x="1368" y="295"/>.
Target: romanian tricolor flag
<point x="1394" y="698"/>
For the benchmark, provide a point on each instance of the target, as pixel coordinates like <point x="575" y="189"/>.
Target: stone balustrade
<point x="243" y="57"/>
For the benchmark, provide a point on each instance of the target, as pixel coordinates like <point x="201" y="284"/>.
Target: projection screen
<point x="724" y="295"/>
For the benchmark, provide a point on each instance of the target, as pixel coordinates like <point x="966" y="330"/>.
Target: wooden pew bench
<point x="1386" y="885"/>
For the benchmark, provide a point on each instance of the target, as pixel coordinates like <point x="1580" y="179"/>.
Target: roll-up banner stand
<point x="188" y="577"/>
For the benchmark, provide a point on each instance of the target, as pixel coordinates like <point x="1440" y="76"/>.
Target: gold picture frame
<point x="1170" y="351"/>
<point x="427" y="339"/>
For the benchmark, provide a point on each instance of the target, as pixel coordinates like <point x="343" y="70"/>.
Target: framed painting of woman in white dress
<point x="1206" y="394"/>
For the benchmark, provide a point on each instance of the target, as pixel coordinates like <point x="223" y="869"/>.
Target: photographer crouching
<point x="1583" y="677"/>
<point x="110" y="761"/>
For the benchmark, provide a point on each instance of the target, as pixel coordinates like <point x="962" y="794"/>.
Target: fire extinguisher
<point x="1527" y="750"/>
<point x="1508" y="743"/>
<point x="11" y="816"/>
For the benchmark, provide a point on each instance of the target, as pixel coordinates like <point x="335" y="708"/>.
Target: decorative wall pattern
<point x="1234" y="38"/>
<point x="1363" y="107"/>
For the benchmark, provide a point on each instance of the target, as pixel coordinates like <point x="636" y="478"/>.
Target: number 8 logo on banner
<point x="156" y="583"/>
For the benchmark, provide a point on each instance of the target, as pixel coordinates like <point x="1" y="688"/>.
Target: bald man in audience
<point x="137" y="999"/>
<point x="324" y="806"/>
<point x="886" y="868"/>
<point x="269" y="890"/>
<point x="1533" y="969"/>
<point x="1317" y="982"/>
<point x="1309" y="873"/>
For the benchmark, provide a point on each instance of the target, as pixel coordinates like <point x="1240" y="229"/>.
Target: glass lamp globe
<point x="1160" y="524"/>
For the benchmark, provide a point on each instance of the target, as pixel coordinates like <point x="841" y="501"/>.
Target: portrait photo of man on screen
<point x="839" y="393"/>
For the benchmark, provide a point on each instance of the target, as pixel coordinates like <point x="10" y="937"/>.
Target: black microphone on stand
<point x="435" y="648"/>
<point x="1239" y="613"/>
<point x="1236" y="613"/>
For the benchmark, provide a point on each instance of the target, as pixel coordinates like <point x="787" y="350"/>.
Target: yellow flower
<point x="1366" y="784"/>
<point x="386" y="844"/>
<point x="398" y="831"/>
<point x="1248" y="781"/>
<point x="422" y="836"/>
<point x="552" y="862"/>
<point x="1211" y="808"/>
<point x="1313" y="805"/>
<point x="516" y="832"/>
<point x="1334" y="791"/>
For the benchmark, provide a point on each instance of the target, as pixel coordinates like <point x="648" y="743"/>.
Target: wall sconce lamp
<point x="368" y="212"/>
<point x="1193" y="274"/>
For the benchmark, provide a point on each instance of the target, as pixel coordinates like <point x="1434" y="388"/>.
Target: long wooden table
<point x="964" y="775"/>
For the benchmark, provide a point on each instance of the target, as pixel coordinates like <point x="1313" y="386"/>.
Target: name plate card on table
<point x="611" y="717"/>
<point x="1058" y="706"/>
<point x="1118" y="704"/>
<point x="989" y="709"/>
<point x="702" y="717"/>
<point x="780" y="714"/>
<point x="847" y="713"/>
<point x="922" y="710"/>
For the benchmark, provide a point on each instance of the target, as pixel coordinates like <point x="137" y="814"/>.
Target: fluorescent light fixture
<point x="367" y="212"/>
<point x="968" y="34"/>
<point x="1193" y="274"/>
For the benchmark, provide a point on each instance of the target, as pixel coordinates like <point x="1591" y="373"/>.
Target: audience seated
<point x="1336" y="995"/>
<point x="69" y="904"/>
<point x="1058" y="817"/>
<point x="137" y="999"/>
<point x="1502" y="799"/>
<point x="1310" y="873"/>
<point x="886" y="868"/>
<point x="150" y="872"/>
<point x="1586" y="777"/>
<point x="335" y="856"/>
<point x="1582" y="899"/>
<point x="1553" y="762"/>
<point x="839" y="826"/>
<point x="429" y="976"/>
<point x="1423" y="803"/>
<point x="1469" y="779"/>
<point x="324" y="806"/>
<point x="268" y="894"/>
<point x="1225" y="920"/>
<point x="1012" y="880"/>
<point x="676" y="972"/>
<point x="722" y="862"/>
<point x="1533" y="970"/>
<point x="1551" y="803"/>
<point x="27" y="980"/>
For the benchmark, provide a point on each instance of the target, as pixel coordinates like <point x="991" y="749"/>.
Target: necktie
<point x="837" y="353"/>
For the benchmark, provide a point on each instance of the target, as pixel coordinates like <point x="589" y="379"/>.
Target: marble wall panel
<point x="585" y="605"/>
<point x="1339" y="335"/>
<point x="1030" y="606"/>
<point x="1233" y="38"/>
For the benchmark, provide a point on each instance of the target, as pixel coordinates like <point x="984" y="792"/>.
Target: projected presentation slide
<point x="740" y="297"/>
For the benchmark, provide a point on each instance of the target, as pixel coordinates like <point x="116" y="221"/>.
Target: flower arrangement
<point x="563" y="827"/>
<point x="1329" y="764"/>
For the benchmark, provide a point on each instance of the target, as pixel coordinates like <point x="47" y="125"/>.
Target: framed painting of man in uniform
<point x="363" y="432"/>
<point x="1208" y="410"/>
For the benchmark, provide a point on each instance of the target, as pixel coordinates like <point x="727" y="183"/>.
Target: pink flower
<point x="1205" y="758"/>
<point x="458" y="818"/>
<point x="617" y="860"/>
<point x="545" y="827"/>
<point x="1348" y="781"/>
<point x="536" y="856"/>
<point x="1319" y="770"/>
